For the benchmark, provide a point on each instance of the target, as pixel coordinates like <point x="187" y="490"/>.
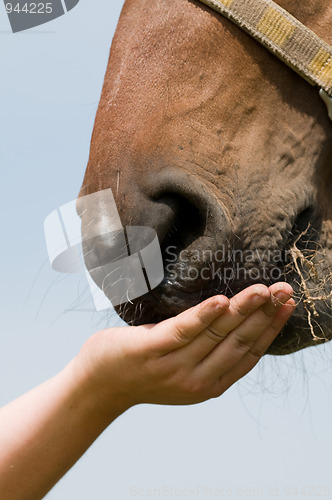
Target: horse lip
<point x="185" y="290"/>
<point x="174" y="299"/>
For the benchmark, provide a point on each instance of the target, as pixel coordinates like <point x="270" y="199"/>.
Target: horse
<point x="206" y="137"/>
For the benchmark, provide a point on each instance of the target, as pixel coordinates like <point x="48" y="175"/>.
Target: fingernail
<point x="280" y="298"/>
<point x="259" y="298"/>
<point x="221" y="306"/>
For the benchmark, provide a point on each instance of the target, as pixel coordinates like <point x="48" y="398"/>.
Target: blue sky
<point x="267" y="437"/>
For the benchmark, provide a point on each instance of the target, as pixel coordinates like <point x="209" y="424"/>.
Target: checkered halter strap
<point x="288" y="39"/>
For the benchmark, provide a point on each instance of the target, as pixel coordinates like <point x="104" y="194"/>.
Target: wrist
<point x="103" y="399"/>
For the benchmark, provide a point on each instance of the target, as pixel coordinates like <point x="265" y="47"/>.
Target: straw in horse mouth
<point x="311" y="288"/>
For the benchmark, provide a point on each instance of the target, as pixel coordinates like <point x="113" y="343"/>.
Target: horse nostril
<point x="194" y="209"/>
<point x="187" y="225"/>
<point x="303" y="221"/>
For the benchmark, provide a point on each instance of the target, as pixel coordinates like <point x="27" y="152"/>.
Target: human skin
<point x="186" y="359"/>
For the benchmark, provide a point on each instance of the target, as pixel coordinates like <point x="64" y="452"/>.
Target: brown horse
<point x="206" y="137"/>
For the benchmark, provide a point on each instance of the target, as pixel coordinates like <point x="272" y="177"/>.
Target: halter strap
<point x="286" y="37"/>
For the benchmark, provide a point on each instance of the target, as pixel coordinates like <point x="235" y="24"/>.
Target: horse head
<point x="206" y="137"/>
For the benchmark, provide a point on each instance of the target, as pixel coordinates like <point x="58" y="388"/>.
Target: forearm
<point x="184" y="360"/>
<point x="44" y="432"/>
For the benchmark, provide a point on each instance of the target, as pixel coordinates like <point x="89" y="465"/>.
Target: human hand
<point x="187" y="359"/>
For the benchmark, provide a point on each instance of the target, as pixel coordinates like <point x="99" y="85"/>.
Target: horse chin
<point x="301" y="331"/>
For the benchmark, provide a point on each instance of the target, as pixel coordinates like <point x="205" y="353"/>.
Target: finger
<point x="252" y="357"/>
<point x="242" y="339"/>
<point x="273" y="330"/>
<point x="242" y="306"/>
<point x="276" y="289"/>
<point x="249" y="331"/>
<point x="179" y="331"/>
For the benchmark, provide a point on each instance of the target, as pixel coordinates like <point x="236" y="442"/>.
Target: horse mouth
<point x="310" y="324"/>
<point x="298" y="262"/>
<point x="198" y="267"/>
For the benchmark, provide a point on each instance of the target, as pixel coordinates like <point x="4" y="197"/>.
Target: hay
<point x="312" y="287"/>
